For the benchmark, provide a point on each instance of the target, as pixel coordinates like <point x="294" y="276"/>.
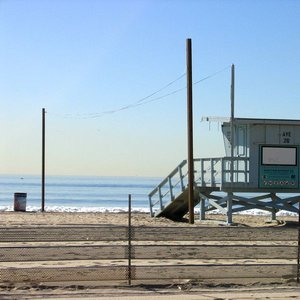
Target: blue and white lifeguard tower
<point x="262" y="161"/>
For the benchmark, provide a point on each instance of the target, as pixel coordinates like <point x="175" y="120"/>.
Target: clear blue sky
<point x="78" y="57"/>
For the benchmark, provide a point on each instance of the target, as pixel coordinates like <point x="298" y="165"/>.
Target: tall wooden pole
<point x="43" y="158"/>
<point x="190" y="130"/>
<point x="232" y="122"/>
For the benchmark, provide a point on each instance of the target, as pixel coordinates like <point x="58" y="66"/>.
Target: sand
<point x="190" y="289"/>
<point x="138" y="219"/>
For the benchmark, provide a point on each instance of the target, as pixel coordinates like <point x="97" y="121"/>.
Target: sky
<point x="89" y="62"/>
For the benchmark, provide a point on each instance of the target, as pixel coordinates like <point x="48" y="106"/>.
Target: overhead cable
<point x="142" y="101"/>
<point x="145" y="99"/>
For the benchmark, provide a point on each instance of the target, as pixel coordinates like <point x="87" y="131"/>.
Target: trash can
<point x="20" y="201"/>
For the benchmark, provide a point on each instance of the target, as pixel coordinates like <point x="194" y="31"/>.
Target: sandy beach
<point x="176" y="289"/>
<point x="138" y="219"/>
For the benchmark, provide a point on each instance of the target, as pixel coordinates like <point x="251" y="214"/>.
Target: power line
<point x="212" y="75"/>
<point x="145" y="100"/>
<point x="137" y="103"/>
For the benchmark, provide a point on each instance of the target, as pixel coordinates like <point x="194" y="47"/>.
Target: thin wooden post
<point x="298" y="258"/>
<point x="229" y="208"/>
<point x="273" y="212"/>
<point x="43" y="157"/>
<point x="190" y="131"/>
<point x="129" y="239"/>
<point x="202" y="208"/>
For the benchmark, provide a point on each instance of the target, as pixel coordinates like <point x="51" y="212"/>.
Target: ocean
<point x="77" y="193"/>
<point x="86" y="194"/>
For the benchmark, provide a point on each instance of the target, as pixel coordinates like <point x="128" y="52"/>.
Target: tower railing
<point x="209" y="172"/>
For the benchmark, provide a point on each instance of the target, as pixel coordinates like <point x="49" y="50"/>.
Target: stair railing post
<point x="150" y="206"/>
<point x="181" y="178"/>
<point x="171" y="188"/>
<point x="160" y="198"/>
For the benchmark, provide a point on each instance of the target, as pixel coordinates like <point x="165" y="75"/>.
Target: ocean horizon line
<point x="20" y="175"/>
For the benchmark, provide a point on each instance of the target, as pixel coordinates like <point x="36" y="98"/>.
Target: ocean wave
<point x="77" y="209"/>
<point x="257" y="212"/>
<point x="254" y="212"/>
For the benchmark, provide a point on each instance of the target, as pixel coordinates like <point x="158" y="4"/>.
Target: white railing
<point x="209" y="172"/>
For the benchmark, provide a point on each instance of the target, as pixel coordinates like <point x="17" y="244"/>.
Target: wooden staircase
<point x="170" y="198"/>
<point x="176" y="209"/>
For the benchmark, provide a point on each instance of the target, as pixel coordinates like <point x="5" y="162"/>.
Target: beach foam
<point x="77" y="209"/>
<point x="254" y="212"/>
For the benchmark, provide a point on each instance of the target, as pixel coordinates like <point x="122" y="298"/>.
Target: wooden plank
<point x="215" y="271"/>
<point x="61" y="274"/>
<point x="56" y="253"/>
<point x="83" y="252"/>
<point x="63" y="234"/>
<point x="214" y="252"/>
<point x="192" y="233"/>
<point x="104" y="273"/>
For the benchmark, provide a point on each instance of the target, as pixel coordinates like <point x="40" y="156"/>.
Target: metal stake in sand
<point x="298" y="258"/>
<point x="43" y="158"/>
<point x="129" y="239"/>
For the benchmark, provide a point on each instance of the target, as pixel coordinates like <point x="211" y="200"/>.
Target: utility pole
<point x="43" y="158"/>
<point x="232" y="122"/>
<point x="190" y="130"/>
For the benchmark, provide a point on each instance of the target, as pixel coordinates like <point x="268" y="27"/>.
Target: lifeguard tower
<point x="263" y="164"/>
